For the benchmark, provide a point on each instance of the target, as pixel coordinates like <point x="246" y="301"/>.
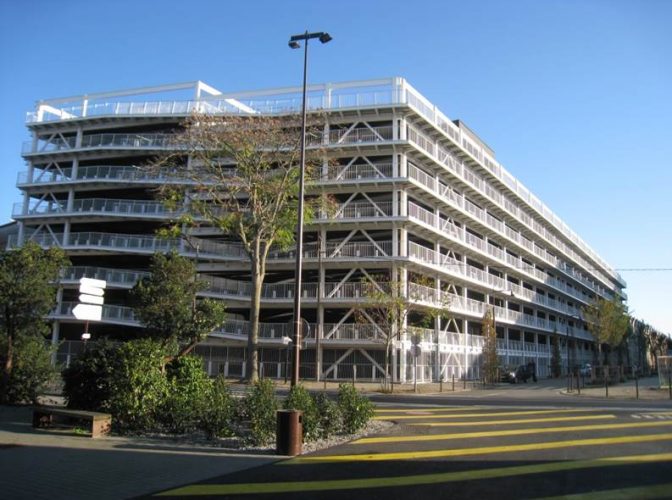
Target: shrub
<point x="259" y="412"/>
<point x="356" y="409"/>
<point x="300" y="399"/>
<point x="138" y="387"/>
<point x="188" y="390"/>
<point x="330" y="420"/>
<point x="32" y="369"/>
<point x="87" y="380"/>
<point x="219" y="415"/>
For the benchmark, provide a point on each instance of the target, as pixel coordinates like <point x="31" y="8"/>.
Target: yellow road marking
<point x="488" y="414"/>
<point x="638" y="492"/>
<point x="486" y="450"/>
<point x="432" y="409"/>
<point x="420" y="479"/>
<point x="511" y="432"/>
<point x="516" y="421"/>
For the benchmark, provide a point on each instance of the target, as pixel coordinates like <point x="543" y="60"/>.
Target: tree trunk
<point x="252" y="371"/>
<point x="7" y="369"/>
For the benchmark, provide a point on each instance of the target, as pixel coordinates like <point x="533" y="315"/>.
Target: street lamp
<point x="294" y="44"/>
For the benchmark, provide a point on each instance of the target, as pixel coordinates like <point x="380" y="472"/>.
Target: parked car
<point x="520" y="374"/>
<point x="586" y="370"/>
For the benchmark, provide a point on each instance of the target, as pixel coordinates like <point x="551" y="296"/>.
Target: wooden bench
<point x="45" y="416"/>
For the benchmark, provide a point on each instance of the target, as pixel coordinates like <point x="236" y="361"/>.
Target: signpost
<point x="91" y="298"/>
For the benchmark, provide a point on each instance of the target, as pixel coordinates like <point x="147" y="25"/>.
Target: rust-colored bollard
<point x="289" y="432"/>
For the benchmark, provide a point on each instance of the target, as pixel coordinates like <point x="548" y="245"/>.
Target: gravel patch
<point x="238" y="445"/>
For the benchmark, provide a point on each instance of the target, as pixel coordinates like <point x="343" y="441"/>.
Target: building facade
<point x="421" y="201"/>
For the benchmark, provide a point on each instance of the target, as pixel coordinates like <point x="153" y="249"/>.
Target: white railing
<point x="99" y="173"/>
<point x="124" y="141"/>
<point x="358" y="209"/>
<point x="478" y="183"/>
<point x="359" y="171"/>
<point x="466" y="238"/>
<point x="363" y="134"/>
<point x="113" y="277"/>
<point x="234" y="105"/>
<point x="111" y="313"/>
<point x="91" y="206"/>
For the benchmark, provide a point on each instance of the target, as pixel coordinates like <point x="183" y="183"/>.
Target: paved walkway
<point x="40" y="463"/>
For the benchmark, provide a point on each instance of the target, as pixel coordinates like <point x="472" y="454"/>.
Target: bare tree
<point x="387" y="305"/>
<point x="489" y="355"/>
<point x="240" y="175"/>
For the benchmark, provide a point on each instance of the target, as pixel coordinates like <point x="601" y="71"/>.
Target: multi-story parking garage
<point x="420" y="200"/>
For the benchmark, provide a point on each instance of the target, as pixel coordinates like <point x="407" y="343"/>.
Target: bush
<point x="356" y="409"/>
<point x="219" y="415"/>
<point x="259" y="412"/>
<point x="87" y="380"/>
<point x="187" y="398"/>
<point x="330" y="420"/>
<point x="32" y="369"/>
<point x="138" y="388"/>
<point x="300" y="399"/>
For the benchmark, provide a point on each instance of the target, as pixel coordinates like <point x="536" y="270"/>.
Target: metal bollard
<point x="453" y="382"/>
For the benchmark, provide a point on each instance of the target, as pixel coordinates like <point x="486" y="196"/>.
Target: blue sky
<point x="574" y="96"/>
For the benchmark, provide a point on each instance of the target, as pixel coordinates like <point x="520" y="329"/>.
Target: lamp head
<point x="294" y="45"/>
<point x="325" y="37"/>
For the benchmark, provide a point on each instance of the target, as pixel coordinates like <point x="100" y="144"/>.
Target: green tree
<point x="87" y="381"/>
<point x="242" y="178"/>
<point x="32" y="369"/>
<point x="607" y="321"/>
<point x="169" y="307"/>
<point x="489" y="355"/>
<point x="28" y="284"/>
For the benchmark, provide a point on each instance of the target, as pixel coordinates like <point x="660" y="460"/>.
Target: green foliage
<point x="189" y="389"/>
<point x="556" y="357"/>
<point x="356" y="409"/>
<point x="607" y="321"/>
<point x="258" y="410"/>
<point x="138" y="386"/>
<point x="28" y="281"/>
<point x="32" y="369"/>
<point x="88" y="378"/>
<point x="489" y="355"/>
<point x="330" y="420"/>
<point x="168" y="306"/>
<point x="300" y="399"/>
<point x="219" y="413"/>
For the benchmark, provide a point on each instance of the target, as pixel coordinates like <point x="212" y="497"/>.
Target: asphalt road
<point x="479" y="446"/>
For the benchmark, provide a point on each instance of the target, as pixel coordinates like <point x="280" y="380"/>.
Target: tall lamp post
<point x="294" y="44"/>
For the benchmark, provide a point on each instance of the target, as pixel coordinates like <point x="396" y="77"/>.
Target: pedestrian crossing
<point x="463" y="446"/>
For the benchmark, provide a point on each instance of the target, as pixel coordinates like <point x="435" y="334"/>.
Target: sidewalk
<point x="649" y="389"/>
<point x="53" y="464"/>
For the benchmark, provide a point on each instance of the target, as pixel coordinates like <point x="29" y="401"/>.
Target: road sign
<point x="91" y="298"/>
<point x="88" y="312"/>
